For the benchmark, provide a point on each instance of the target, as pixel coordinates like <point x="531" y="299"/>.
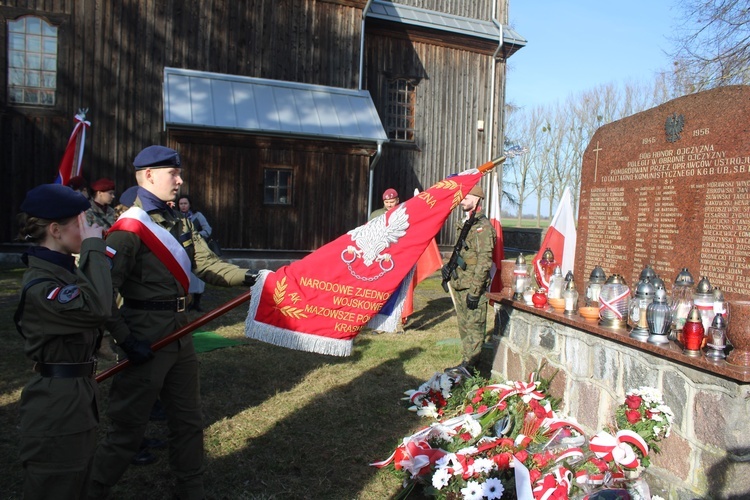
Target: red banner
<point x="70" y="165"/>
<point x="320" y="303"/>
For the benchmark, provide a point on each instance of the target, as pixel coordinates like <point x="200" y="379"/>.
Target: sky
<point x="577" y="45"/>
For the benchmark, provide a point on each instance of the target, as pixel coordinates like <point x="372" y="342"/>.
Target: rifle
<point x="456" y="260"/>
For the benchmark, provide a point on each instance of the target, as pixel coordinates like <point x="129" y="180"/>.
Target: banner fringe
<point x="288" y="338"/>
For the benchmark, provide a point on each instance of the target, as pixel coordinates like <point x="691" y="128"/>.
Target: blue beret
<point x="128" y="196"/>
<point x="54" y="202"/>
<point x="157" y="157"/>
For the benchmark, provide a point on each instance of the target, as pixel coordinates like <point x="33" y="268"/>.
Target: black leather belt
<point x="177" y="305"/>
<point x="65" y="370"/>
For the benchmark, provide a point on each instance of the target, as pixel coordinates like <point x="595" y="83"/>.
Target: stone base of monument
<point x="706" y="454"/>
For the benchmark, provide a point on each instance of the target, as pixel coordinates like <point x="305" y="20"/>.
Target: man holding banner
<point x="153" y="250"/>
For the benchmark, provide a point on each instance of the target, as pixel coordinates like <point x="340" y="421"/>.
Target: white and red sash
<point x="160" y="241"/>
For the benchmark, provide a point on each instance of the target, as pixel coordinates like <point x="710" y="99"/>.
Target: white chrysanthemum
<point x="472" y="491"/>
<point x="445" y="384"/>
<point x="441" y="478"/>
<point x="484" y="465"/>
<point x="657" y="431"/>
<point x="472" y="426"/>
<point x="468" y="451"/>
<point x="449" y="460"/>
<point x="430" y="410"/>
<point x="493" y="488"/>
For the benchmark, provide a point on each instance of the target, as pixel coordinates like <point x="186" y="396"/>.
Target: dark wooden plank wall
<point x="453" y="94"/>
<point x="224" y="177"/>
<point x="112" y="54"/>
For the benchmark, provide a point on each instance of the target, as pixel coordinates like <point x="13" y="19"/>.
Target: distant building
<point x="291" y="115"/>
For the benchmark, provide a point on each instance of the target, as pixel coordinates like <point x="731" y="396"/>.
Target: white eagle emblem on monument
<point x="373" y="238"/>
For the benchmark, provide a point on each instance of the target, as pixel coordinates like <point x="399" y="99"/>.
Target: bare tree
<point x="713" y="45"/>
<point x="523" y="128"/>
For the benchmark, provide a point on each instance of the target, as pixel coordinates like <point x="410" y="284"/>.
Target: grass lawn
<point x="279" y="423"/>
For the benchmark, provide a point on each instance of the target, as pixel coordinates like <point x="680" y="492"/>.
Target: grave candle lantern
<point x="703" y="299"/>
<point x="637" y="318"/>
<point x="556" y="284"/>
<point x="693" y="333"/>
<point x="547" y="264"/>
<point x="570" y="295"/>
<point x="596" y="280"/>
<point x="520" y="275"/>
<point x="659" y="317"/>
<point x="613" y="302"/>
<point x="717" y="338"/>
<point x="682" y="300"/>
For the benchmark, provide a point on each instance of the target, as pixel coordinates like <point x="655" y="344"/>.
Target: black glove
<point x="138" y="351"/>
<point x="472" y="302"/>
<point x="250" y="277"/>
<point x="446" y="272"/>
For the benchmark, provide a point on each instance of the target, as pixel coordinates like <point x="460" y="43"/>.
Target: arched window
<point x="32" y="61"/>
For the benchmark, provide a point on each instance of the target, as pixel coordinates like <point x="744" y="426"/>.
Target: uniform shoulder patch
<point x="68" y="293"/>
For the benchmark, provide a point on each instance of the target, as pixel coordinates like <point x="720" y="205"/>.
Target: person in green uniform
<point x="470" y="284"/>
<point x="59" y="315"/>
<point x="156" y="251"/>
<point x="390" y="200"/>
<point x="101" y="211"/>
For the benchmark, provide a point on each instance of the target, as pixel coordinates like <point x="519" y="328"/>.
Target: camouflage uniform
<point x="172" y="376"/>
<point x="59" y="411"/>
<point x="474" y="280"/>
<point x="104" y="216"/>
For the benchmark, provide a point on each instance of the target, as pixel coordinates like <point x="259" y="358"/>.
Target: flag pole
<point x="177" y="334"/>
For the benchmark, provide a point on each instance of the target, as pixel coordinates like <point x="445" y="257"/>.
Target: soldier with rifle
<point x="468" y="274"/>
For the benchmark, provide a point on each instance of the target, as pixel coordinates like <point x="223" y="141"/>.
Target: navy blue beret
<point x="54" y="202"/>
<point x="128" y="196"/>
<point x="157" y="157"/>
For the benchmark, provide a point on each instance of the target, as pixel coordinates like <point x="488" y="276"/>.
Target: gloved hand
<point x="138" y="351"/>
<point x="472" y="302"/>
<point x="250" y="277"/>
<point x="446" y="273"/>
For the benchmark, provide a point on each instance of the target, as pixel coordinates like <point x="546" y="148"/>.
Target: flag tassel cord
<point x="177" y="334"/>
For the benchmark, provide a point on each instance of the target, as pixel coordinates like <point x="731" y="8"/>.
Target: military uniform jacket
<point x="137" y="273"/>
<point x="104" y="217"/>
<point x="477" y="254"/>
<point x="61" y="323"/>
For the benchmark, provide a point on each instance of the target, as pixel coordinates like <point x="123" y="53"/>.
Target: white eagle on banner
<point x="377" y="235"/>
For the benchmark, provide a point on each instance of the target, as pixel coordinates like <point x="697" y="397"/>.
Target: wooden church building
<point x="291" y="116"/>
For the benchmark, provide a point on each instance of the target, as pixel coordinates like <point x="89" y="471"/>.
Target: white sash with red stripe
<point x="160" y="241"/>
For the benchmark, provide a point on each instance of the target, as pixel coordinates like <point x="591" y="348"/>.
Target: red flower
<point x="476" y="399"/>
<point x="650" y="414"/>
<point x="469" y="409"/>
<point x="507" y="443"/>
<point x="502" y="406"/>
<point x="502" y="460"/>
<point x="534" y="475"/>
<point x="538" y="409"/>
<point x="465" y="436"/>
<point x="633" y="416"/>
<point x="482" y="409"/>
<point x="542" y="458"/>
<point x="633" y="401"/>
<point x="522" y="455"/>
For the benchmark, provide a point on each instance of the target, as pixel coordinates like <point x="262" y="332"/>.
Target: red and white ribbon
<point x="603" y="304"/>
<point x="619" y="448"/>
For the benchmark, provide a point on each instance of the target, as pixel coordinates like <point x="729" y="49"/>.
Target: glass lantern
<point x="659" y="318"/>
<point x="717" y="338"/>
<point x="570" y="295"/>
<point x="596" y="280"/>
<point x="682" y="301"/>
<point x="613" y="302"/>
<point x="658" y="282"/>
<point x="556" y="284"/>
<point x="720" y="305"/>
<point x="703" y="299"/>
<point x="520" y="277"/>
<point x="637" y="318"/>
<point x="547" y="267"/>
<point x="648" y="272"/>
<point x="693" y="334"/>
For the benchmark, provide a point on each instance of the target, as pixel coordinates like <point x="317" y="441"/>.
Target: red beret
<point x="389" y="194"/>
<point x="76" y="183"/>
<point x="103" y="184"/>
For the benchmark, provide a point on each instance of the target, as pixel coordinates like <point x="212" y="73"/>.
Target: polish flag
<point x="498" y="253"/>
<point x="560" y="238"/>
<point x="70" y="165"/>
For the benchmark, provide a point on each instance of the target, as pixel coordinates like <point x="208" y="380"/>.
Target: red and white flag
<point x="560" y="238"/>
<point x="498" y="253"/>
<point x="70" y="165"/>
<point x="321" y="302"/>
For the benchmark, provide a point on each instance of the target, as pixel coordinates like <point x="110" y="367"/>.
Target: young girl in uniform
<point x="59" y="314"/>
